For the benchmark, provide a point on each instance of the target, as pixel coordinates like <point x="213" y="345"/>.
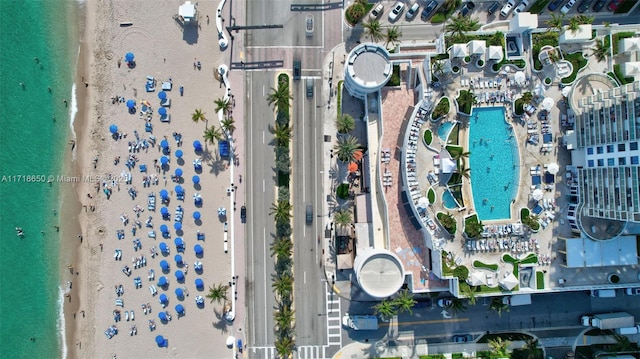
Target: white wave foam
<point x="61" y="326"/>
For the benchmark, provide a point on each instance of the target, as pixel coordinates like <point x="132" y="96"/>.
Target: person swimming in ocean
<point x="19" y="232"/>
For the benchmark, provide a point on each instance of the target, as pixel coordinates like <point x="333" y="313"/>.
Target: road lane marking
<point x="435" y="321"/>
<point x="264" y="241"/>
<point x="263" y="93"/>
<point x="263" y="186"/>
<point x="304" y="274"/>
<point x="304" y="189"/>
<point x="252" y="271"/>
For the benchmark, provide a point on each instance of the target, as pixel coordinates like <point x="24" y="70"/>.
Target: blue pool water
<point x="444" y="129"/>
<point x="494" y="163"/>
<point x="448" y="201"/>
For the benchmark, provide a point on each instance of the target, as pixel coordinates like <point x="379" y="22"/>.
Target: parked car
<point x="555" y="4"/>
<point x="398" y="9"/>
<point x="376" y="12"/>
<point x="243" y="214"/>
<point x="413" y="11"/>
<point x="493" y="8"/>
<point x="467" y="8"/>
<point x="462" y="338"/>
<point x="309" y="214"/>
<point x="428" y="10"/>
<point x="615" y="4"/>
<point x="632" y="291"/>
<point x="444" y="302"/>
<point x="297" y="70"/>
<point x="599" y="5"/>
<point x="584" y="5"/>
<point x="523" y="5"/>
<point x="567" y="7"/>
<point x="506" y="9"/>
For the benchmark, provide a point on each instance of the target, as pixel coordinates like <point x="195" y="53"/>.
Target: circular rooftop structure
<point x="367" y="69"/>
<point x="379" y="272"/>
<point x="600" y="229"/>
<point x="588" y="85"/>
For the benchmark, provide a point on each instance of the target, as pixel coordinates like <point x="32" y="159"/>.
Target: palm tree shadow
<point x="213" y="160"/>
<point x="222" y="325"/>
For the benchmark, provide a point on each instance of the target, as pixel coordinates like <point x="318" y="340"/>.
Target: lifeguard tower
<point x="188" y="13"/>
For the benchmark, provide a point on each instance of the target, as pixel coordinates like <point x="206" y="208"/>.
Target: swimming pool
<point x="448" y="201"/>
<point x="494" y="163"/>
<point x="444" y="129"/>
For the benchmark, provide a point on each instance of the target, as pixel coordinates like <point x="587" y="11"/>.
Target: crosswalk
<point x="334" y="335"/>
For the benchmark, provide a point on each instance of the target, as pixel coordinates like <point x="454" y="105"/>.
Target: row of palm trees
<point x="557" y="20"/>
<point x="389" y="308"/>
<point x="391" y="35"/>
<point x="214" y="134"/>
<point x="282" y="245"/>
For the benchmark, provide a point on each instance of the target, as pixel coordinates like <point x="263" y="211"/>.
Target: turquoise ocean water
<point x="33" y="144"/>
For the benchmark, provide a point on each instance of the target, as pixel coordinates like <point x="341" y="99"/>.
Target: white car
<point x="567" y="7"/>
<point x="376" y="12"/>
<point x="398" y="9"/>
<point x="506" y="9"/>
<point x="523" y="5"/>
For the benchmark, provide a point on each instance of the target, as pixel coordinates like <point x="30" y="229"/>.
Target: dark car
<point x="615" y="4"/>
<point x="462" y="338"/>
<point x="309" y="214"/>
<point x="584" y="5"/>
<point x="467" y="8"/>
<point x="297" y="70"/>
<point x="599" y="5"/>
<point x="243" y="214"/>
<point x="428" y="10"/>
<point x="493" y="8"/>
<point x="555" y="4"/>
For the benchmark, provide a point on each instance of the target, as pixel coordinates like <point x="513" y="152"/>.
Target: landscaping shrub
<point x="455" y="69"/>
<point x="428" y="137"/>
<point x="356" y="12"/>
<point x="438" y="18"/>
<point x="479" y="264"/>
<point x="461" y="272"/>
<point x="539" y="280"/>
<point x="442" y="108"/>
<point x="473" y="227"/>
<point x="620" y="77"/>
<point x="480" y="63"/>
<point x="578" y="61"/>
<point x="343" y="191"/>
<point x="447" y="221"/>
<point x="395" y="77"/>
<point x="547" y="81"/>
<point x="519" y="107"/>
<point x="467" y="59"/>
<point x="431" y="196"/>
<point x="619" y="36"/>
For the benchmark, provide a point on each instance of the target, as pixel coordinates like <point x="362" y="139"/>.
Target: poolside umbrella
<point x="162" y="95"/>
<point x="162" y="111"/>
<point x="199" y="300"/>
<point x="131" y="104"/>
<point x="163" y="247"/>
<point x="164" y="144"/>
<point x="199" y="284"/>
<point x="196" y="215"/>
<point x="179" y="189"/>
<point x="547" y="103"/>
<point x="537" y="194"/>
<point x="178" y="241"/>
<point x="162" y="316"/>
<point x="197" y="145"/>
<point x="179" y="172"/>
<point x="178" y="259"/>
<point x="196" y="179"/>
<point x="160" y="340"/>
<point x="177" y="226"/>
<point x="198" y="249"/>
<point x="162" y="281"/>
<point x="180" y="309"/>
<point x="519" y="77"/>
<point x="164" y="265"/>
<point x="553" y="168"/>
<point x="179" y="153"/>
<point x="179" y="276"/>
<point x="423" y="202"/>
<point x="164" y="194"/>
<point x="113" y="129"/>
<point x="129" y="56"/>
<point x="179" y="293"/>
<point x="164" y="299"/>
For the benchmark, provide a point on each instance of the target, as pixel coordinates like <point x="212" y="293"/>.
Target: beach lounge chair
<point x="152" y="234"/>
<point x="165" y="118"/>
<point x="148" y="127"/>
<point x="166" y="103"/>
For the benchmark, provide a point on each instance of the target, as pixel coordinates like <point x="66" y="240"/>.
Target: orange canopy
<point x="353" y="167"/>
<point x="357" y="155"/>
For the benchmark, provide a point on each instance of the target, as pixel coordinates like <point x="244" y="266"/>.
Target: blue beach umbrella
<point x="179" y="153"/>
<point x="178" y="172"/>
<point x="196" y="179"/>
<point x="179" y="276"/>
<point x="113" y="129"/>
<point x="162" y="111"/>
<point x="180" y="309"/>
<point x="162" y="316"/>
<point x="160" y="340"/>
<point x="164" y="298"/>
<point x="199" y="284"/>
<point x="163" y="247"/>
<point x="178" y="241"/>
<point x="178" y="259"/>
<point x="162" y="95"/>
<point x="197" y="145"/>
<point x="162" y="281"/>
<point x="177" y="226"/>
<point x="179" y="293"/>
<point x="164" y="265"/>
<point x="131" y="104"/>
<point x="129" y="56"/>
<point x="179" y="189"/>
<point x="196" y="215"/>
<point x="198" y="249"/>
<point x="164" y="194"/>
<point x="164" y="144"/>
<point x="164" y="228"/>
<point x="164" y="160"/>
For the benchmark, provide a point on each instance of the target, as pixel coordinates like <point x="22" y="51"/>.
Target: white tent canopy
<point x="539" y="90"/>
<point x="448" y="165"/>
<point x="509" y="282"/>
<point x="631" y="68"/>
<point x="495" y="53"/>
<point x="459" y="50"/>
<point x="547" y="103"/>
<point x="519" y="77"/>
<point x="477" y="47"/>
<point x="423" y="202"/>
<point x="475" y="279"/>
<point x="629" y="44"/>
<point x="187" y="11"/>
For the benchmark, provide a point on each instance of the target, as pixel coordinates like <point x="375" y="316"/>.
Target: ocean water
<point x="34" y="133"/>
<point x="494" y="163"/>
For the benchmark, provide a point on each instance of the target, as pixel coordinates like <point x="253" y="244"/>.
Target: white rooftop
<point x="582" y="34"/>
<point x="585" y="252"/>
<point x="477" y="47"/>
<point x="629" y="44"/>
<point x="631" y="69"/>
<point x="495" y="53"/>
<point x="187" y="10"/>
<point x="459" y="50"/>
<point x="523" y="21"/>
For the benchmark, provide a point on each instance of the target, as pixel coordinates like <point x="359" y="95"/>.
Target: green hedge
<point x="617" y="70"/>
<point x="578" y="61"/>
<point x="395" y="77"/>
<point x="342" y="191"/>
<point x="478" y="264"/>
<point x="519" y="109"/>
<point x="540" y="40"/>
<point x="438" y="18"/>
<point x="538" y="6"/>
<point x="428" y="137"/>
<point x="539" y="280"/>
<point x="619" y="36"/>
<point x="431" y="195"/>
<point x="442" y="108"/>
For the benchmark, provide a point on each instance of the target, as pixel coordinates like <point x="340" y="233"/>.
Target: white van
<point x="603" y="293"/>
<point x="628" y="330"/>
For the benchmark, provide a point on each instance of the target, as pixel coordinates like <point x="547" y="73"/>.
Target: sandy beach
<point x="167" y="53"/>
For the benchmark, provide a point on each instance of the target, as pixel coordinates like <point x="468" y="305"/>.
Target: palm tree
<point x="449" y="5"/>
<point x="499" y="347"/>
<point x="437" y="67"/>
<point x="373" y="30"/>
<point x="281" y="210"/>
<point x="198" y="116"/>
<point x="229" y="125"/>
<point x="392" y="35"/>
<point x="530" y="348"/>
<point x="459" y="24"/>
<point x="283" y="317"/>
<point x="283" y="284"/>
<point x="470" y="292"/>
<point x="385" y="309"/>
<point x="464" y="171"/>
<point x="466" y="100"/>
<point x="404" y="302"/>
<point x="284" y="346"/>
<point x="555" y="22"/>
<point x="601" y="52"/>
<point x="553" y="56"/>
<point x="282" y="133"/>
<point x="218" y="293"/>
<point x="224" y="105"/>
<point x="282" y="246"/>
<point x="460" y="156"/>
<point x="280" y="97"/>
<point x="342" y="218"/>
<point x="574" y="25"/>
<point x="527" y="97"/>
<point x="457" y="305"/>
<point x="345" y="123"/>
<point x="497" y="305"/>
<point x="213" y="134"/>
<point x="346" y="148"/>
<point x="585" y="19"/>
